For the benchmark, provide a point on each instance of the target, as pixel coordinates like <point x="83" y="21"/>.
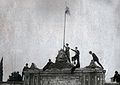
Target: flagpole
<point x="64" y="30"/>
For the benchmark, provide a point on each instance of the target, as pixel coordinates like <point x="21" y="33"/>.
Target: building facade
<point x="59" y="73"/>
<point x="90" y="75"/>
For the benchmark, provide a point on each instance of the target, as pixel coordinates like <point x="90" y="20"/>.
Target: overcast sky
<point x="32" y="31"/>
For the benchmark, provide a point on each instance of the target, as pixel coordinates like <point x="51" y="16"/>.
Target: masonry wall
<point x="61" y="79"/>
<point x="64" y="77"/>
<point x="11" y="83"/>
<point x="111" y="83"/>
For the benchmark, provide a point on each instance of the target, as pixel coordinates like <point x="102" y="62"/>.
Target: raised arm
<point x="73" y="50"/>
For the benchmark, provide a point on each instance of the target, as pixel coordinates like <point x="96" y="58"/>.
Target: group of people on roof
<point x="76" y="57"/>
<point x="15" y="76"/>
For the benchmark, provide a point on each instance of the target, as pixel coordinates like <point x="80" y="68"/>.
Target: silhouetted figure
<point x="11" y="77"/>
<point x="67" y="48"/>
<point x="116" y="77"/>
<point x="25" y="69"/>
<point x="95" y="58"/>
<point x="18" y="76"/>
<point x="47" y="65"/>
<point x="33" y="66"/>
<point x="76" y="57"/>
<point x="15" y="76"/>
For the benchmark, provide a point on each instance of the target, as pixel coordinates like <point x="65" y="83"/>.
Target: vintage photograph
<point x="59" y="42"/>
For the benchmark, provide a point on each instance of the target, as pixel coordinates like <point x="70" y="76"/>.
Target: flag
<point x="67" y="11"/>
<point x="1" y="69"/>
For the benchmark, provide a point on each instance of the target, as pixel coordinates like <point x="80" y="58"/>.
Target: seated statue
<point x="61" y="57"/>
<point x="47" y="66"/>
<point x="33" y="66"/>
<point x="60" y="63"/>
<point x="116" y="77"/>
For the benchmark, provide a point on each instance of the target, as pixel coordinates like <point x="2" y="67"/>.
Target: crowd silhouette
<point x="15" y="76"/>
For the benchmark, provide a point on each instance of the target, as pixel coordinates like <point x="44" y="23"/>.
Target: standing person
<point x="76" y="57"/>
<point x="25" y="69"/>
<point x="95" y="58"/>
<point x="67" y="48"/>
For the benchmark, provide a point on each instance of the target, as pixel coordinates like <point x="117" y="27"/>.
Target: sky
<point x="31" y="31"/>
